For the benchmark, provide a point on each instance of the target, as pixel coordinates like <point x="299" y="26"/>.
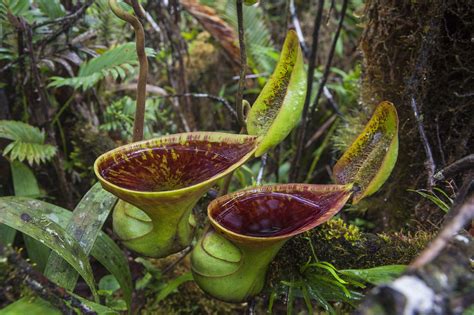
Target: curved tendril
<point x="143" y="73"/>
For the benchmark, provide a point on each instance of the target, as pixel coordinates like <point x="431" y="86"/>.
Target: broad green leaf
<point x="172" y="285"/>
<point x="28" y="142"/>
<point x="24" y="181"/>
<point x="376" y="275"/>
<point x="104" y="250"/>
<point x="369" y="160"/>
<point x="36" y="305"/>
<point x="7" y="234"/>
<point x="109" y="284"/>
<point x="84" y="225"/>
<point x="41" y="228"/>
<point x="25" y="184"/>
<point x="30" y="305"/>
<point x="278" y="108"/>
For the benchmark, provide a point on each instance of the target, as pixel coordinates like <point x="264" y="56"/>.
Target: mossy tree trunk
<point x="419" y="55"/>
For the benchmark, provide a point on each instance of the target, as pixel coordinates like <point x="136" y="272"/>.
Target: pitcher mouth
<point x="173" y="162"/>
<point x="278" y="211"/>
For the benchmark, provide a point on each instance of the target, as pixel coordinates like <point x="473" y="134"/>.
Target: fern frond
<point x="261" y="53"/>
<point x="115" y="63"/>
<point x="28" y="142"/>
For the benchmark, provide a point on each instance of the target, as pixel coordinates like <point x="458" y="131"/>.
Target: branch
<point x="41" y="285"/>
<point x="327" y="68"/>
<point x="413" y="87"/>
<point x="67" y="22"/>
<point x="464" y="216"/>
<point x="143" y="73"/>
<point x="243" y="66"/>
<point x="465" y="163"/>
<point x="297" y="26"/>
<point x="219" y="99"/>
<point x="309" y="88"/>
<point x="438" y="281"/>
<point x="262" y="169"/>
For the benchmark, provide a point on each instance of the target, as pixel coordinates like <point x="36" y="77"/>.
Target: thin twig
<point x="69" y="21"/>
<point x="73" y="16"/>
<point x="429" y="163"/>
<point x="41" y="285"/>
<point x="414" y="87"/>
<point x="332" y="102"/>
<point x="320" y="131"/>
<point x="327" y="67"/>
<point x="464" y="216"/>
<point x="297" y="26"/>
<point x="183" y="254"/>
<point x="465" y="163"/>
<point x="216" y="98"/>
<point x="243" y="66"/>
<point x="311" y="67"/>
<point x="440" y="144"/>
<point x="143" y="72"/>
<point x="251" y="307"/>
<point x="262" y="169"/>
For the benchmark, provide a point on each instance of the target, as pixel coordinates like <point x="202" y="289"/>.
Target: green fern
<point x="262" y="56"/>
<point x="28" y="142"/>
<point x="115" y="63"/>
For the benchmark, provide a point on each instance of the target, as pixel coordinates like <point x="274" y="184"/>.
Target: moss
<point x="337" y="228"/>
<point x="345" y="246"/>
<point x="419" y="50"/>
<point x="88" y="144"/>
<point x="188" y="299"/>
<point x="202" y="54"/>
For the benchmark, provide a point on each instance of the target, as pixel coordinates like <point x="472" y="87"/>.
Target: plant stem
<point x="243" y="65"/>
<point x="143" y="73"/>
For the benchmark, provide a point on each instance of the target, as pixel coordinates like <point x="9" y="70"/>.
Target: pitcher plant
<point x="248" y="229"/>
<point x="159" y="181"/>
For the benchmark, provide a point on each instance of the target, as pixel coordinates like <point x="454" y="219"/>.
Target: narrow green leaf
<point x="112" y="258"/>
<point x="307" y="299"/>
<point x="278" y="108"/>
<point x="330" y="269"/>
<point x="104" y="250"/>
<point x="368" y="162"/>
<point x="25" y="184"/>
<point x="8" y="234"/>
<point x="291" y="300"/>
<point x="29" y="305"/>
<point x="41" y="228"/>
<point x="172" y="285"/>
<point x="24" y="181"/>
<point x="84" y="225"/>
<point x="36" y="305"/>
<point x="434" y="199"/>
<point x="271" y="301"/>
<point x="376" y="275"/>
